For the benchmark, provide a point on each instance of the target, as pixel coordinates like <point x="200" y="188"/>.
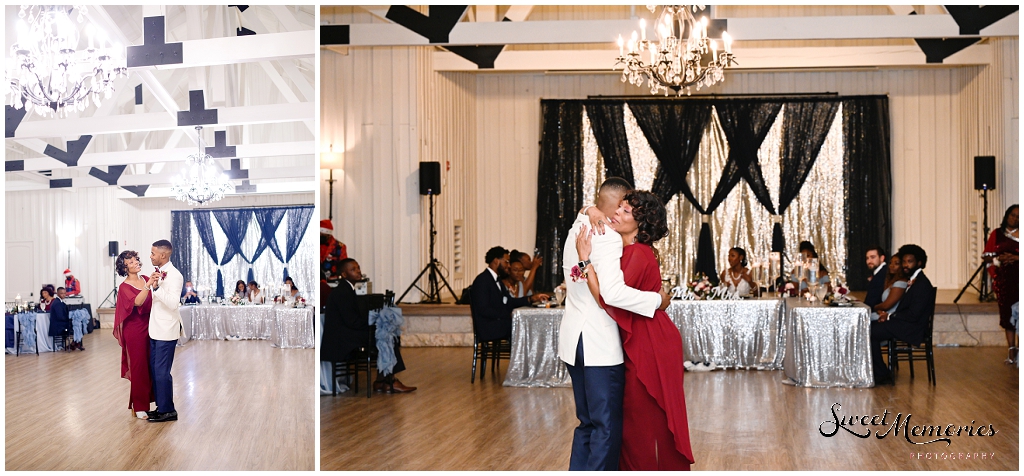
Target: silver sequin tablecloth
<point x="215" y="322"/>
<point x="828" y="346"/>
<point x="745" y="333"/>
<point x="534" y="361"/>
<point x="293" y="328"/>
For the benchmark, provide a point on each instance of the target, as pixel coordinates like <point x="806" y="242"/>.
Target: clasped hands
<point x="154" y="280"/>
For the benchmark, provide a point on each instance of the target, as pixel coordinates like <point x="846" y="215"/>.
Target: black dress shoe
<point x="169" y="416"/>
<point x="152" y="414"/>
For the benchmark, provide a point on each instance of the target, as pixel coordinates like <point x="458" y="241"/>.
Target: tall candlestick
<point x="643" y="29"/>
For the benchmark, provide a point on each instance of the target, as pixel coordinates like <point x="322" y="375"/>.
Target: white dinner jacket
<point x="602" y="345"/>
<point x="164" y="320"/>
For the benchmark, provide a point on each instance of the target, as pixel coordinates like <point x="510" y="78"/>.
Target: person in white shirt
<point x="164" y="328"/>
<point x="255" y="295"/>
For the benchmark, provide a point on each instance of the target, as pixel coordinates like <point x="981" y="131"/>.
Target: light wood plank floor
<point x="242" y="406"/>
<point x="739" y="420"/>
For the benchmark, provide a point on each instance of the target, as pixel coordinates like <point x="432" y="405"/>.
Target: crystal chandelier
<point x="682" y="57"/>
<point x="46" y="70"/>
<point x="201" y="180"/>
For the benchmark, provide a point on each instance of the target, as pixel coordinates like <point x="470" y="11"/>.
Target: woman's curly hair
<point x="120" y="264"/>
<point x="650" y="216"/>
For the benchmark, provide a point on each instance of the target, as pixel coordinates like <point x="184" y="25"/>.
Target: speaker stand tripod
<point x="984" y="293"/>
<point x="113" y="292"/>
<point x="432" y="295"/>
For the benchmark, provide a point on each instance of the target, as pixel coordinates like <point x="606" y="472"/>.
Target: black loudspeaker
<point x="112" y="248"/>
<point x="984" y="172"/>
<point x="430" y="178"/>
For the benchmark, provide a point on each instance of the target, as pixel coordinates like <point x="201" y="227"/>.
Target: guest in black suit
<point x="877" y="265"/>
<point x="60" y="319"/>
<point x="347" y="328"/>
<point x="492" y="304"/>
<point x="910" y="321"/>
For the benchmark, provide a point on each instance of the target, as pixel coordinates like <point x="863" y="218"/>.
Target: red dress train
<point x="655" y="432"/>
<point x="131" y="329"/>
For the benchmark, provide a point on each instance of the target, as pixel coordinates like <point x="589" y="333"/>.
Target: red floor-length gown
<point x="131" y="329"/>
<point x="655" y="433"/>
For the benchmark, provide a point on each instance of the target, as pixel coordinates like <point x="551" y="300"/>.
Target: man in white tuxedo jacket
<point x="164" y="329"/>
<point x="589" y="342"/>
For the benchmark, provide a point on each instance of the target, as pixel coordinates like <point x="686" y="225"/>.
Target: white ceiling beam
<point x="160" y="183"/>
<point x="244" y="49"/>
<point x="285" y="90"/>
<point x="293" y="186"/>
<point x="302" y="169"/>
<point x="287" y="18"/>
<point x="518" y="12"/>
<point x="227" y="116"/>
<point x="305" y="88"/>
<point x="749" y="58"/>
<point x="606" y="31"/>
<point x="150" y="156"/>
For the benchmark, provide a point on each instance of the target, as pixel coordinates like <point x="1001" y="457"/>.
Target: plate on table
<point x="841" y="304"/>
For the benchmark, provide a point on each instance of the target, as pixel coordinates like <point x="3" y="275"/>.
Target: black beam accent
<point x="197" y="113"/>
<point x="236" y="171"/>
<point x="14" y="165"/>
<point x="154" y="51"/>
<point x="243" y="31"/>
<point x="220" y="149"/>
<point x="138" y="190"/>
<point x="937" y="50"/>
<point x="241" y="8"/>
<point x="246" y="187"/>
<point x="74" y="152"/>
<point x="138" y="95"/>
<point x="972" y="18"/>
<point x="110" y="176"/>
<point x="12" y="119"/>
<point x="435" y="27"/>
<point x="60" y="183"/>
<point x="483" y="56"/>
<point x="334" y="35"/>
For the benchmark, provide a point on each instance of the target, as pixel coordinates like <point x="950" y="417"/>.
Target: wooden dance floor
<point x="242" y="406"/>
<point x="739" y="420"/>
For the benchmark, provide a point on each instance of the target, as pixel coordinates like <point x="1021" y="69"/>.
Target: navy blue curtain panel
<point x="298" y="221"/>
<point x="269" y="219"/>
<point x="181" y="240"/>
<point x="234" y="223"/>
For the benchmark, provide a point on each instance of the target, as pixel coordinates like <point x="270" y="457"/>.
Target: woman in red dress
<point x="131" y="329"/>
<point x="1003" y="251"/>
<point x="655" y="432"/>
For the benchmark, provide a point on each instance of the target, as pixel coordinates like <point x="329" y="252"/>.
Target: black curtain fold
<point x="868" y="178"/>
<point x="745" y="124"/>
<point x="673" y="130"/>
<point x="805" y="126"/>
<point x="559" y="184"/>
<point x="181" y="240"/>
<point x="610" y="134"/>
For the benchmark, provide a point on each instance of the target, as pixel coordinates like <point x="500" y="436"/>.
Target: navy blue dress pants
<point x="596" y="442"/>
<point x="161" y="356"/>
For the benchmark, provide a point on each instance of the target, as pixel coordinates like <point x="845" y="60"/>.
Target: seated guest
<point x="492" y="303"/>
<point x="241" y="290"/>
<point x="45" y="298"/>
<point x="910" y="321"/>
<point x="71" y="284"/>
<point x="737" y="277"/>
<point x="188" y="294"/>
<point x="60" y="319"/>
<point x="895" y="286"/>
<point x="255" y="296"/>
<point x="294" y="291"/>
<point x="877" y="281"/>
<point x="802" y="275"/>
<point x="529" y="266"/>
<point x="347" y="328"/>
<point x="514" y="280"/>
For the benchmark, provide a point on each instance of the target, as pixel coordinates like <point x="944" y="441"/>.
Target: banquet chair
<point x="18" y="342"/>
<point x="365" y="357"/>
<point x="497" y="349"/>
<point x="899" y="351"/>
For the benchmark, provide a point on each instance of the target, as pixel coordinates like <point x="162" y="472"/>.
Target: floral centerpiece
<point x="700" y="288"/>
<point x="237" y="300"/>
<point x="300" y="302"/>
<point x="839" y="297"/>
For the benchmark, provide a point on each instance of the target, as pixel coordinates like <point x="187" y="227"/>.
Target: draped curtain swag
<point x="298" y="221"/>
<point x="673" y="130"/>
<point x="559" y="183"/>
<point x="610" y="134"/>
<point x="269" y="219"/>
<point x="234" y="223"/>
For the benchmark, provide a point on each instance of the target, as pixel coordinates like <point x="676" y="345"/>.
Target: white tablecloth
<point x="43" y="339"/>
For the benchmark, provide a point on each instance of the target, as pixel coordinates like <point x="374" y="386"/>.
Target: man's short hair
<point x="878" y="250"/>
<point x="917" y="251"/>
<point x="62" y="287"/>
<point x="164" y="244"/>
<point x="345" y="262"/>
<point x="617" y="184"/>
<point x="495" y="253"/>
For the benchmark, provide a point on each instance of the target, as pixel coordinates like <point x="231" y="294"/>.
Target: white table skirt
<point x="43" y="339"/>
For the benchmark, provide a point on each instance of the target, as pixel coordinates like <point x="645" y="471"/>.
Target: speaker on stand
<point x="430" y="185"/>
<point x="984" y="180"/>
<point x="112" y="295"/>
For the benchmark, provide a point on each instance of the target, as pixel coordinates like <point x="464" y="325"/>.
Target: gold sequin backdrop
<point x="816" y="215"/>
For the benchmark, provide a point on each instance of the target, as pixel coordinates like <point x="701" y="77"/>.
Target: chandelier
<point x="46" y="70"/>
<point x="683" y="56"/>
<point x="201" y="180"/>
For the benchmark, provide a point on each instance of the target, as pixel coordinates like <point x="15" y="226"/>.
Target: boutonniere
<point x="163" y="274"/>
<point x="577" y="274"/>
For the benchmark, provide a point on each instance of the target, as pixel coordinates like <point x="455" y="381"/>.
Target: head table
<point x="284" y="326"/>
<point x="827" y="346"/>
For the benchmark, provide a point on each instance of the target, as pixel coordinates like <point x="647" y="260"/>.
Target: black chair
<point x="497" y="350"/>
<point x="365" y="357"/>
<point x="899" y="351"/>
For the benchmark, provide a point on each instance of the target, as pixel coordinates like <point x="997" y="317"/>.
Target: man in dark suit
<point x="491" y="303"/>
<point x="347" y="328"/>
<point x="910" y="321"/>
<point x="60" y="319"/>
<point x="877" y="265"/>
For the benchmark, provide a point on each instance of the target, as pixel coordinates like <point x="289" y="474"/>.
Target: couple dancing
<point x="147" y="325"/>
<point x="623" y="353"/>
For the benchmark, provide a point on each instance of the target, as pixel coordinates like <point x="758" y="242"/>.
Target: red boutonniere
<point x="163" y="274"/>
<point x="577" y="274"/>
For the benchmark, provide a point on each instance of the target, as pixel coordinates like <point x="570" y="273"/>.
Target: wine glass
<point x="812" y="276"/>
